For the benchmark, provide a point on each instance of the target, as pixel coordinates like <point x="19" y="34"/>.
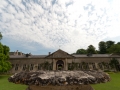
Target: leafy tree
<point x="118" y="43"/>
<point x="91" y="49"/>
<point x="5" y="65"/>
<point x="114" y="49"/>
<point x="81" y="51"/>
<point x="0" y="36"/>
<point x="97" y="51"/>
<point x="109" y="44"/>
<point x="102" y="47"/>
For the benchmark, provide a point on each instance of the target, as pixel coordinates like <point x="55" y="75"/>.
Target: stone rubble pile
<point x="59" y="78"/>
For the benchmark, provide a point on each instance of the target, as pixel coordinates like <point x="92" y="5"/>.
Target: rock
<point x="59" y="78"/>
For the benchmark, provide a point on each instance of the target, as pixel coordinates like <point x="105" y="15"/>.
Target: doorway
<point x="59" y="65"/>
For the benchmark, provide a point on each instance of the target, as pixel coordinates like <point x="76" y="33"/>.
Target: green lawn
<point x="5" y="85"/>
<point x="114" y="84"/>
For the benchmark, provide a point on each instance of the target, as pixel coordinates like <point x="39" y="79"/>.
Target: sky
<point x="42" y="26"/>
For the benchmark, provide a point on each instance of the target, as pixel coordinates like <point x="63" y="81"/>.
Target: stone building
<point x="60" y="60"/>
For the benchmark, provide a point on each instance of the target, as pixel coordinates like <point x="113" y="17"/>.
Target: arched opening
<point x="59" y="65"/>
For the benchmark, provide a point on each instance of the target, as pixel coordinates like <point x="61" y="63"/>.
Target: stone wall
<point x="18" y="64"/>
<point x="73" y="87"/>
<point x="92" y="62"/>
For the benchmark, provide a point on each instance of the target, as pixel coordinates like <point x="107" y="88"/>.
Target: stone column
<point x="119" y="61"/>
<point x="20" y="67"/>
<point x="35" y="67"/>
<point x="90" y="67"/>
<point x="66" y="65"/>
<point x="96" y="65"/>
<point x="54" y="64"/>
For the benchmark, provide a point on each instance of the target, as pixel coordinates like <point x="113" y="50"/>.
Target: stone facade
<point x="60" y="60"/>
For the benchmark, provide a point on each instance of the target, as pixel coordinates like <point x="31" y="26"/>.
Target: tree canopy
<point x="5" y="65"/>
<point x="0" y="36"/>
<point x="91" y="49"/>
<point x="81" y="51"/>
<point x="103" y="48"/>
<point x="114" y="49"/>
<point x="109" y="44"/>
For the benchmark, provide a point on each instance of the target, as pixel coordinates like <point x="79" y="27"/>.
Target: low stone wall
<point x="72" y="87"/>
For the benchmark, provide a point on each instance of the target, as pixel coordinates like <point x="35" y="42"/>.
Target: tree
<point x="118" y="43"/>
<point x="109" y="44"/>
<point x="115" y="49"/>
<point x="0" y="36"/>
<point x="91" y="49"/>
<point x="5" y="65"/>
<point x="81" y="51"/>
<point x="102" y="47"/>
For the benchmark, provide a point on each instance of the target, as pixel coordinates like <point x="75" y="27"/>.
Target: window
<point x="16" y="67"/>
<point x="80" y="66"/>
<point x="31" y="66"/>
<point x="87" y="66"/>
<point x="50" y="66"/>
<point x="93" y="64"/>
<point x="24" y="67"/>
<point x="106" y="66"/>
<point x="39" y="67"/>
<point x="100" y="65"/>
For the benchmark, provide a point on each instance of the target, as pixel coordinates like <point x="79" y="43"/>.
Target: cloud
<point x="68" y="24"/>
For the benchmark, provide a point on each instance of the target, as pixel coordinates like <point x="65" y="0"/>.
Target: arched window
<point x="31" y="66"/>
<point x="24" y="67"/>
<point x="39" y="67"/>
<point x="16" y="67"/>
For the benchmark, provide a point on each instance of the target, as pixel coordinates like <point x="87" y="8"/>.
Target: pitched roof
<point x="24" y="56"/>
<point x="93" y="55"/>
<point x="59" y="54"/>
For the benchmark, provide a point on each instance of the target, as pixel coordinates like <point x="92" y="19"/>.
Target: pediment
<point x="60" y="54"/>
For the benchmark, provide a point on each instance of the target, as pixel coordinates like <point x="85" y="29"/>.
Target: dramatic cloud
<point x="68" y="24"/>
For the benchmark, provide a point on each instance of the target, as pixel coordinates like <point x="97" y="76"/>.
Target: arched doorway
<point x="59" y="65"/>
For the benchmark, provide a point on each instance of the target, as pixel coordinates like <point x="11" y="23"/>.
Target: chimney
<point x="17" y="52"/>
<point x="49" y="53"/>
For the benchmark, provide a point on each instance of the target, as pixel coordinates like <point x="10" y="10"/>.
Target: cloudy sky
<point x="42" y="26"/>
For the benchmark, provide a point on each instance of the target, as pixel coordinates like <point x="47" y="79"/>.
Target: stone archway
<point x="59" y="65"/>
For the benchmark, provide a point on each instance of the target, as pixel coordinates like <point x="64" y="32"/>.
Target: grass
<point x="6" y="85"/>
<point x="114" y="84"/>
